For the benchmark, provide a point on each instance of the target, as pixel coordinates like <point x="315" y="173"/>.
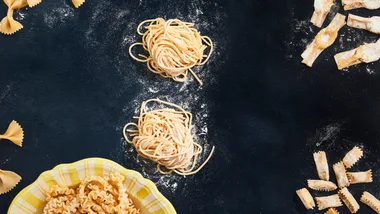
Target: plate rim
<point x="149" y="183"/>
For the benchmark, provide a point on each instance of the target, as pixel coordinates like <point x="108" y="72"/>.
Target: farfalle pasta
<point x="14" y="133"/>
<point x="8" y="180"/>
<point x="94" y="195"/>
<point x="77" y="3"/>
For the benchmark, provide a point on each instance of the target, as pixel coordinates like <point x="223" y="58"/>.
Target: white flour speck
<point x="58" y="15"/>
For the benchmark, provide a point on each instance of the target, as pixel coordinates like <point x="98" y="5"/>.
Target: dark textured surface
<point x="67" y="79"/>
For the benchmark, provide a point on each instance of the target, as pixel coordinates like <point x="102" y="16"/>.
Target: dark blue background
<point x="268" y="111"/>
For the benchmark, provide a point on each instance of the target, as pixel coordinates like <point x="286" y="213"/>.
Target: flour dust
<point x="59" y="15"/>
<point x="119" y="24"/>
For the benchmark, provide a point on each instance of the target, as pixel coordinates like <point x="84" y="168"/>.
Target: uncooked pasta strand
<point x="164" y="136"/>
<point x="174" y="48"/>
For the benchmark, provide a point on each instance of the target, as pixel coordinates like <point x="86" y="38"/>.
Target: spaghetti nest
<point x="174" y="47"/>
<point x="164" y="136"/>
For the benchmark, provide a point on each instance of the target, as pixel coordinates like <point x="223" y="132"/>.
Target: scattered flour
<point x="59" y="15"/>
<point x="20" y="15"/>
<point x="119" y="25"/>
<point x="325" y="134"/>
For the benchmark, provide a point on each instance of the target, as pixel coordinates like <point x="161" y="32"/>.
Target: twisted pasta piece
<point x="174" y="47"/>
<point x="164" y="136"/>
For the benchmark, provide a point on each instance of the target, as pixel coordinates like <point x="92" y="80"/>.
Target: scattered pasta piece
<point x="321" y="164"/>
<point x="353" y="4"/>
<point x="8" y="180"/>
<point x="306" y="198"/>
<point x="174" y="47"/>
<point x="321" y="185"/>
<point x="8" y="25"/>
<point x="94" y="195"/>
<point x="371" y="24"/>
<point x="14" y="133"/>
<point x="370" y="200"/>
<point x="340" y="174"/>
<point x="164" y="136"/>
<point x="365" y="53"/>
<point x="321" y="9"/>
<point x="360" y="177"/>
<point x="332" y="211"/>
<point x="349" y="200"/>
<point x="352" y="157"/>
<point x="328" y="201"/>
<point x="77" y="3"/>
<point x="33" y="3"/>
<point x="324" y="39"/>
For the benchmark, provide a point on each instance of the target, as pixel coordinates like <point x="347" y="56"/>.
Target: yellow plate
<point x="143" y="192"/>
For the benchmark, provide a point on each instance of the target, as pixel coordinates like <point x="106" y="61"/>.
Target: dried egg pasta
<point x="371" y="24"/>
<point x="349" y="200"/>
<point x="332" y="211"/>
<point x="321" y="164"/>
<point x="324" y="39"/>
<point x="354" y="4"/>
<point x="14" y="133"/>
<point x="321" y="185"/>
<point x="360" y="177"/>
<point x="328" y="201"/>
<point x="352" y="157"/>
<point x="8" y="180"/>
<point x="321" y="9"/>
<point x="94" y="195"/>
<point x="363" y="54"/>
<point x="370" y="200"/>
<point x="340" y="173"/>
<point x="306" y="198"/>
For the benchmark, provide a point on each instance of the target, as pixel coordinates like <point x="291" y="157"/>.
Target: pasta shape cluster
<point x="94" y="195"/>
<point x="344" y="179"/>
